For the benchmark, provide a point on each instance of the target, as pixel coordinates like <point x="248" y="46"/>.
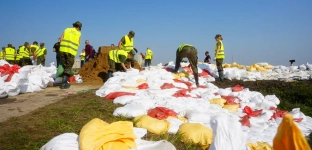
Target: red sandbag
<point x="230" y="100"/>
<point x="7" y="70"/>
<point x="245" y="121"/>
<point x="203" y="74"/>
<point x="216" y="93"/>
<point x="188" y="84"/>
<point x="188" y="69"/>
<point x="181" y="93"/>
<point x="252" y="113"/>
<point x="279" y="113"/>
<point x="113" y="95"/>
<point x="161" y="113"/>
<point x="169" y="69"/>
<point x="143" y="86"/>
<point x="167" y="86"/>
<point x="71" y="79"/>
<point x="237" y="88"/>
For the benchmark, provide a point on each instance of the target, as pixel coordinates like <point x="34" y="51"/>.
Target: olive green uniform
<point x="68" y="61"/>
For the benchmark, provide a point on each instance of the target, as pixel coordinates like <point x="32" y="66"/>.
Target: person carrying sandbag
<point x="118" y="56"/>
<point x="219" y="55"/>
<point x="126" y="43"/>
<point x="70" y="42"/>
<point x="190" y="52"/>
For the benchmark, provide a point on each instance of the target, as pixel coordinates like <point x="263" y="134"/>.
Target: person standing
<point x="56" y="49"/>
<point x="127" y="43"/>
<point x="148" y="57"/>
<point x="25" y="51"/>
<point x="190" y="52"/>
<point x="1" y="53"/>
<point x="19" y="56"/>
<point x="82" y="58"/>
<point x="33" y="48"/>
<point x="9" y="54"/>
<point x="219" y="55"/>
<point x="118" y="57"/>
<point x="88" y="51"/>
<point x="41" y="54"/>
<point x="70" y="42"/>
<point x="207" y="58"/>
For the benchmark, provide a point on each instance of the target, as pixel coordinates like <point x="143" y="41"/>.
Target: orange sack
<point x="289" y="136"/>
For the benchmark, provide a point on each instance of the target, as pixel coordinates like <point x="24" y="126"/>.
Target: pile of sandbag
<point x="162" y="103"/>
<point x="15" y="80"/>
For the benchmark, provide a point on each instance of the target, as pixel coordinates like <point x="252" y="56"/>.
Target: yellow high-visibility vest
<point x="9" y="53"/>
<point x="128" y="45"/>
<point x="82" y="56"/>
<point x="24" y="52"/>
<point x="148" y="54"/>
<point x="221" y="51"/>
<point x="40" y="51"/>
<point x="18" y="56"/>
<point x="183" y="45"/>
<point x="1" y="55"/>
<point x="70" y="42"/>
<point x="113" y="55"/>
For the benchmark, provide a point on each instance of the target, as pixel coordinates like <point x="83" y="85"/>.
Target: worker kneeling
<point x="190" y="52"/>
<point x="116" y="57"/>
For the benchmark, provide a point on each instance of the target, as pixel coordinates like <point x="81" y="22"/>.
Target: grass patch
<point x="31" y="131"/>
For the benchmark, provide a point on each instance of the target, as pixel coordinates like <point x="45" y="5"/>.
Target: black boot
<point x="221" y="76"/>
<point x="65" y="84"/>
<point x="196" y="78"/>
<point x="109" y="74"/>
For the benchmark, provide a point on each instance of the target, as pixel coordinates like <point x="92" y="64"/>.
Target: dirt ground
<point x="25" y="103"/>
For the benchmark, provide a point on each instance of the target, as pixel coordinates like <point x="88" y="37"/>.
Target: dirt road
<point x="25" y="103"/>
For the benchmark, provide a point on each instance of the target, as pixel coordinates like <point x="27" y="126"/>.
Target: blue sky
<point x="272" y="31"/>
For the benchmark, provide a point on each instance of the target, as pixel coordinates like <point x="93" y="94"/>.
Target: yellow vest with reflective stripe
<point x="113" y="55"/>
<point x="82" y="55"/>
<point x="24" y="52"/>
<point x="18" y="56"/>
<point x="221" y="51"/>
<point x="40" y="52"/>
<point x="183" y="45"/>
<point x="149" y="54"/>
<point x="1" y="55"/>
<point x="70" y="42"/>
<point x="128" y="45"/>
<point x="9" y="53"/>
<point x="35" y="46"/>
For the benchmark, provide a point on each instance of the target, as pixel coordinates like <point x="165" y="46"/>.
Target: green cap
<point x="132" y="52"/>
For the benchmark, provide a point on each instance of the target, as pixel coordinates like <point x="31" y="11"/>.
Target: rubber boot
<point x="65" y="84"/>
<point x="221" y="76"/>
<point x="196" y="78"/>
<point x="109" y="74"/>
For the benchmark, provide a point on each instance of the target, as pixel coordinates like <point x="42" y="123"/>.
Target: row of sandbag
<point x="25" y="79"/>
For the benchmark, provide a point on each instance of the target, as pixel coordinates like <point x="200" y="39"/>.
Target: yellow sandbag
<point x="268" y="67"/>
<point x="289" y="136"/>
<point x="240" y="66"/>
<point x="196" y="133"/>
<point x="130" y="87"/>
<point x="153" y="125"/>
<point x="234" y="64"/>
<point x="183" y="74"/>
<point x="219" y="101"/>
<point x="175" y="76"/>
<point x="183" y="119"/>
<point x="260" y="146"/>
<point x="233" y="108"/>
<point x="226" y="66"/>
<point x="99" y="135"/>
<point x="255" y="65"/>
<point x="140" y="80"/>
<point x="261" y="69"/>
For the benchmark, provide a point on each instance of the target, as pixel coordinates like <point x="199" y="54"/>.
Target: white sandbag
<point x="298" y="114"/>
<point x="193" y="116"/>
<point x="146" y="103"/>
<point x="139" y="132"/>
<point x="273" y="99"/>
<point x="174" y="125"/>
<point x="303" y="67"/>
<point x="130" y="111"/>
<point x="225" y="92"/>
<point x="25" y="86"/>
<point x="153" y="145"/>
<point x="123" y="100"/>
<point x="66" y="141"/>
<point x="3" y="88"/>
<point x="262" y="64"/>
<point x="228" y="133"/>
<point x="12" y="88"/>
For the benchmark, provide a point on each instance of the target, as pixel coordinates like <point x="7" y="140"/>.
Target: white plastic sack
<point x="123" y="100"/>
<point x="153" y="145"/>
<point x="66" y="141"/>
<point x="130" y="111"/>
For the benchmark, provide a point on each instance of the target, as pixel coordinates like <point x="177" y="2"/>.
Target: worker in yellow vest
<point x="70" y="42"/>
<point x="33" y="48"/>
<point x="82" y="58"/>
<point x="219" y="55"/>
<point x="9" y="54"/>
<point x="41" y="54"/>
<point x="118" y="57"/>
<point x="1" y="53"/>
<point x="148" y="57"/>
<point x="19" y="56"/>
<point x="25" y="52"/>
<point x="127" y="43"/>
<point x="16" y="56"/>
<point x="190" y="52"/>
